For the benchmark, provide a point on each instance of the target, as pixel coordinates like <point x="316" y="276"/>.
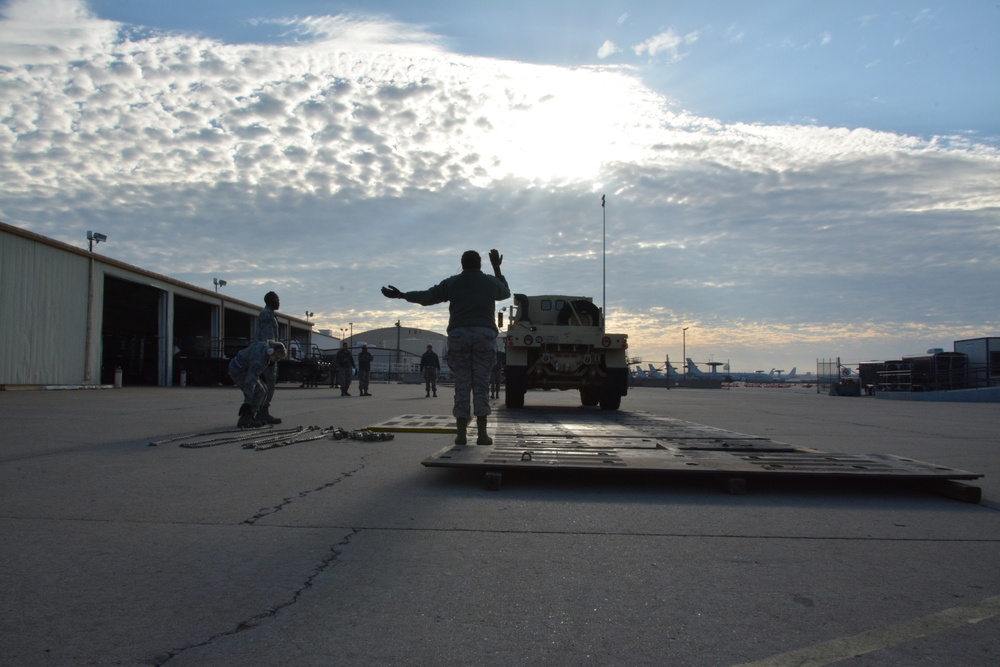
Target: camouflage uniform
<point x="247" y="369"/>
<point x="365" y="359"/>
<point x="472" y="333"/>
<point x="345" y="365"/>
<point x="471" y="355"/>
<point x="267" y="329"/>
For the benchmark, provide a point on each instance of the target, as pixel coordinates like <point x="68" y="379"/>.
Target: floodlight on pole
<point x="94" y="238"/>
<point x="218" y="283"/>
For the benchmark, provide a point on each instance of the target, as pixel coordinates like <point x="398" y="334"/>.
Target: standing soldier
<point x="248" y="369"/>
<point x="430" y="366"/>
<point x="267" y="329"/>
<point x="344" y="362"/>
<point x="472" y="334"/>
<point x="364" y="370"/>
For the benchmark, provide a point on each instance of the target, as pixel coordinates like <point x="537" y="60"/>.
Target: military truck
<point x="558" y="342"/>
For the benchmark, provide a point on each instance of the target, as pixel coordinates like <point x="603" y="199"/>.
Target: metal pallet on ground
<point x="633" y="441"/>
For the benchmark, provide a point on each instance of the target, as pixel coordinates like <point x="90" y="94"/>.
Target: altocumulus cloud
<point x="360" y="152"/>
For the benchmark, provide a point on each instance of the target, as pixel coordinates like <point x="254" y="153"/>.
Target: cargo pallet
<point x="621" y="441"/>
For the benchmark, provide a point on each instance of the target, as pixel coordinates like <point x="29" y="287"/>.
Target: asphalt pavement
<point x="346" y="552"/>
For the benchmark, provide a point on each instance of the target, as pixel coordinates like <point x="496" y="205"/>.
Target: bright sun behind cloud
<point x="560" y="126"/>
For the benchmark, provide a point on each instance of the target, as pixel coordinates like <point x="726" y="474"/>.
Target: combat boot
<point x="246" y="418"/>
<point x="263" y="415"/>
<point x="463" y="425"/>
<point x="483" y="438"/>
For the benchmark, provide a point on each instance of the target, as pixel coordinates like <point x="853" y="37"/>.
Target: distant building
<point x="984" y="358"/>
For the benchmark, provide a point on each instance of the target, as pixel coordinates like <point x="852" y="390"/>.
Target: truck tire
<point x="587" y="314"/>
<point x="609" y="402"/>
<point x="590" y="396"/>
<point x="516" y="386"/>
<point x="610" y="399"/>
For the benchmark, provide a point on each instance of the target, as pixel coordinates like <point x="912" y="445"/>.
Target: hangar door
<point x="130" y="332"/>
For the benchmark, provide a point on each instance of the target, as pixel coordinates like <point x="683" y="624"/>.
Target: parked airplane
<point x="655" y="373"/>
<point x="738" y="376"/>
<point x="671" y="371"/>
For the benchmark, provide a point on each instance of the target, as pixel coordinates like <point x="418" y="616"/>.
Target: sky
<point x="789" y="181"/>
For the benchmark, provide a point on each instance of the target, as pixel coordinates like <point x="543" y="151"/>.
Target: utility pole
<point x="604" y="266"/>
<point x="685" y="352"/>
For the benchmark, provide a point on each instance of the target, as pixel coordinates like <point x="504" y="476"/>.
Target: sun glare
<point x="560" y="127"/>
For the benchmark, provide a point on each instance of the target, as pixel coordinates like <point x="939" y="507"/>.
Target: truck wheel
<point x="610" y="400"/>
<point x="516" y="386"/>
<point x="589" y="396"/>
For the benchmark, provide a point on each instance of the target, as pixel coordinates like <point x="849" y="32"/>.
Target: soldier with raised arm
<point x="472" y="333"/>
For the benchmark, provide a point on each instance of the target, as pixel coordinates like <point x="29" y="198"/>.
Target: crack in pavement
<point x="328" y="561"/>
<point x="267" y="511"/>
<point x="252" y="622"/>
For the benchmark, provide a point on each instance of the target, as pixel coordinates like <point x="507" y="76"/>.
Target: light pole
<point x="308" y="315"/>
<point x="684" y="340"/>
<point x="604" y="261"/>
<point x="218" y="283"/>
<point x="398" y="329"/>
<point x="351" y="324"/>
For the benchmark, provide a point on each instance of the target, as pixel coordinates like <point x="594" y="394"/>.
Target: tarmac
<point x="346" y="552"/>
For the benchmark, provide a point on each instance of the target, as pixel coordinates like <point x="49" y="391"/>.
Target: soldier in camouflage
<point x="247" y="369"/>
<point x="365" y="359"/>
<point x="267" y="329"/>
<point x="472" y="334"/>
<point x="344" y="362"/>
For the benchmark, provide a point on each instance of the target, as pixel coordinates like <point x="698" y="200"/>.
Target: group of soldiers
<point x="472" y="355"/>
<point x="344" y="369"/>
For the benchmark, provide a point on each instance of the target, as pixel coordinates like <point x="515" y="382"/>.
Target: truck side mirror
<point x="500" y="320"/>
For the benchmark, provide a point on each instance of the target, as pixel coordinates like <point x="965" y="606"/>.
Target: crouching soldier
<point x="246" y="369"/>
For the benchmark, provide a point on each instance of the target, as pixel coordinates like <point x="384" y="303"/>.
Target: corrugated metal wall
<point x="43" y="313"/>
<point x="44" y="287"/>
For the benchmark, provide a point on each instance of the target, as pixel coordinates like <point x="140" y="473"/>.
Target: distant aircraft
<point x="671" y="372"/>
<point x="655" y="373"/>
<point x="792" y="376"/>
<point x="738" y="376"/>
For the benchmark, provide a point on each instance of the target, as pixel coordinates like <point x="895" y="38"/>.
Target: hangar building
<point x="70" y="317"/>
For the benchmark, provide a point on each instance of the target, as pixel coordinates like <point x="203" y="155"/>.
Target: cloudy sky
<point x="789" y="180"/>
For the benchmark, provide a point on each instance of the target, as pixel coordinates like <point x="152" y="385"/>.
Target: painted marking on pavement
<point x="876" y="640"/>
